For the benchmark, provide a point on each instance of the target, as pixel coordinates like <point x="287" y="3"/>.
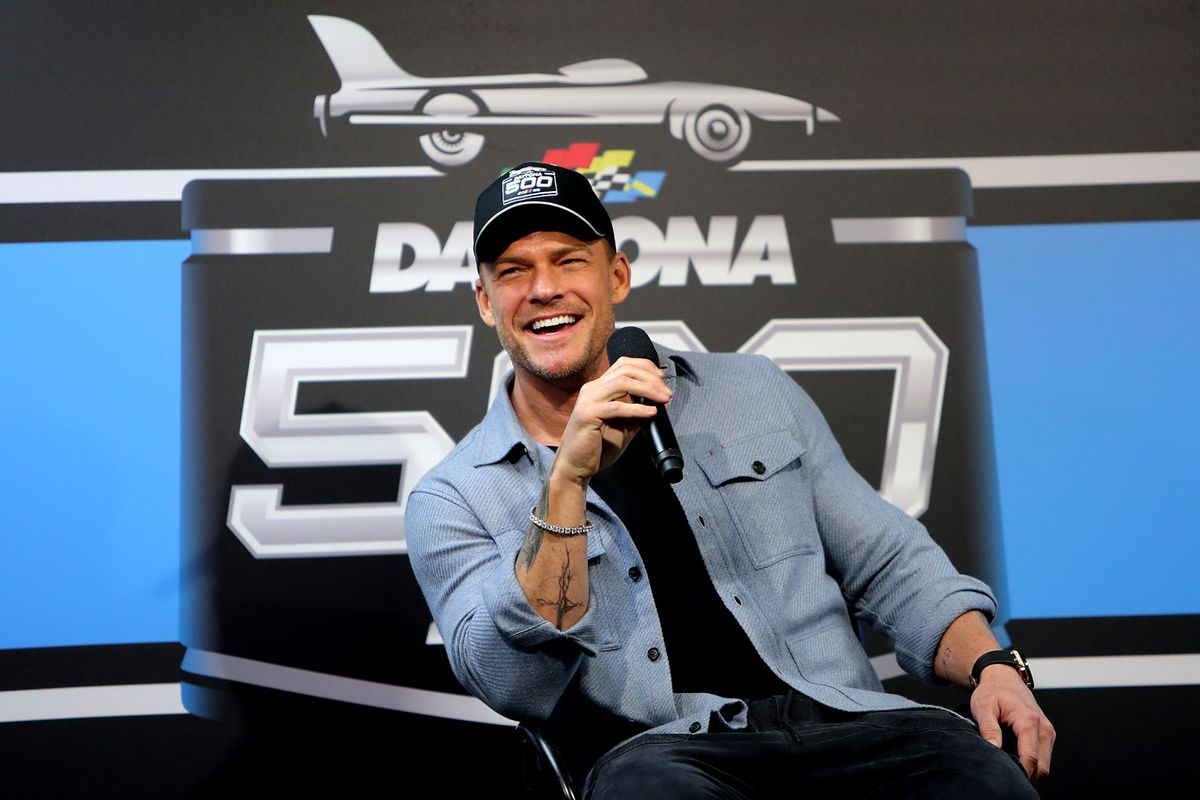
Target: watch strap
<point x="1010" y="658"/>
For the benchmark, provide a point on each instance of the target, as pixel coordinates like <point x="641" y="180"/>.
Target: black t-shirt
<point x="709" y="651"/>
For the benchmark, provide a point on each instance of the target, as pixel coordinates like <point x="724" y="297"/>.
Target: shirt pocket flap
<point x="756" y="457"/>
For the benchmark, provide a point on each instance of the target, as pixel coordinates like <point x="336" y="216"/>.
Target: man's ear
<point x="484" y="303"/>
<point x="620" y="277"/>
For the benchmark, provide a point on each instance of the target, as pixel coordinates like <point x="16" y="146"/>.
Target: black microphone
<point x="634" y="342"/>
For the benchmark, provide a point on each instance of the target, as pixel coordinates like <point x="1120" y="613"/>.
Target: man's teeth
<point x="550" y="322"/>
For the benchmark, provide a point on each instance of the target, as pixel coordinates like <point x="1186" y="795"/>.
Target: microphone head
<point x="632" y="342"/>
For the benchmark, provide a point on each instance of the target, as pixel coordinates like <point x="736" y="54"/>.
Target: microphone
<point x="634" y="342"/>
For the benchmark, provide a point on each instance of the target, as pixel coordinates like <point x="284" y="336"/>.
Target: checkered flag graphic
<point x="610" y="178"/>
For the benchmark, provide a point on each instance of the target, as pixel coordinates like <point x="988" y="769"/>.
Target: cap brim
<point x="522" y="219"/>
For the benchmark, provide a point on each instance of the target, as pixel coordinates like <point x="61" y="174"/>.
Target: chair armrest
<point x="544" y="765"/>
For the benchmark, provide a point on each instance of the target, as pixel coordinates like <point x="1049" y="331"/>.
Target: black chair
<point x="543" y="769"/>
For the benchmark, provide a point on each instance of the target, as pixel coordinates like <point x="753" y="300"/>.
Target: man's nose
<point x="546" y="284"/>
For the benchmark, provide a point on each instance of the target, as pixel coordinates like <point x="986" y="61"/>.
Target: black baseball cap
<point x="537" y="197"/>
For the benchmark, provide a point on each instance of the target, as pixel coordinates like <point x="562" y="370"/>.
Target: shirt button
<point x="635" y="573"/>
<point x="694" y="727"/>
<point x="737" y="599"/>
<point x="758" y="467"/>
<point x="653" y="654"/>
<point x="701" y="518"/>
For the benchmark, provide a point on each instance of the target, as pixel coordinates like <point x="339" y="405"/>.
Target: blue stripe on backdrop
<point x="1092" y="356"/>
<point x="1095" y="379"/>
<point x="89" y="350"/>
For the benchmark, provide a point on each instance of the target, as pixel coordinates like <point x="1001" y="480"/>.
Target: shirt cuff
<point x="918" y="659"/>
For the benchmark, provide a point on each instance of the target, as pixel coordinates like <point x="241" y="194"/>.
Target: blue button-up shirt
<point x="776" y="511"/>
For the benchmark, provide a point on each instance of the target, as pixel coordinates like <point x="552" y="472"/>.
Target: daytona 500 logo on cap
<point x="528" y="183"/>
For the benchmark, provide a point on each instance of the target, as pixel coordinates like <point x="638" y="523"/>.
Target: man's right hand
<point x="605" y="418"/>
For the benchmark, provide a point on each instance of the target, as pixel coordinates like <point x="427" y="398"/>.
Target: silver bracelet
<point x="546" y="526"/>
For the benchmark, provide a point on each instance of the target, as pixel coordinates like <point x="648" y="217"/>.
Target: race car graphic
<point x="713" y="119"/>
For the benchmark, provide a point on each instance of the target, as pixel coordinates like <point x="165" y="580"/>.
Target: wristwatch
<point x="1009" y="658"/>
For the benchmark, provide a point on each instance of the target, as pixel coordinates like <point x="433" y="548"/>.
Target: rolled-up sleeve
<point x="899" y="580"/>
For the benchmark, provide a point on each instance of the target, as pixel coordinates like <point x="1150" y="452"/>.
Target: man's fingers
<point x="623" y="409"/>
<point x="1028" y="749"/>
<point x="624" y="390"/>
<point x="1035" y="743"/>
<point x="649" y="388"/>
<point x="989" y="728"/>
<point x="1045" y="747"/>
<point x="638" y="377"/>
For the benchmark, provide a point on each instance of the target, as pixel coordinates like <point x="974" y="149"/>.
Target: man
<point x="705" y="621"/>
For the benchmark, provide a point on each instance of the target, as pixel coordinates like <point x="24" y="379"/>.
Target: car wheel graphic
<point x="718" y="133"/>
<point x="451" y="148"/>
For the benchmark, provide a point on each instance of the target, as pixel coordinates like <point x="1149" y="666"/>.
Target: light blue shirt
<point x="771" y="537"/>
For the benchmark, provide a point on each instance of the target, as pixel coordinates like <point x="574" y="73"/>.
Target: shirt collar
<point x="676" y="364"/>
<point x="501" y="435"/>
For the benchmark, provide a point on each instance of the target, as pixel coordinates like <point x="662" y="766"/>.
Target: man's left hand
<point x="1003" y="699"/>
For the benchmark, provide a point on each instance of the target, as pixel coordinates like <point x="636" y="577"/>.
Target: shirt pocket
<point x="764" y="485"/>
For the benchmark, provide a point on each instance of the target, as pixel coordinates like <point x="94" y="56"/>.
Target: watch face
<point x="1023" y="668"/>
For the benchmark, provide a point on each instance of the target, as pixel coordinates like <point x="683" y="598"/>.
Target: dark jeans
<point x="796" y="748"/>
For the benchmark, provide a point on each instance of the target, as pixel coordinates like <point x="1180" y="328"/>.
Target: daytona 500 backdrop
<point x="239" y="326"/>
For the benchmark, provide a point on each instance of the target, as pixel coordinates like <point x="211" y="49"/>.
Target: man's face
<point x="550" y="298"/>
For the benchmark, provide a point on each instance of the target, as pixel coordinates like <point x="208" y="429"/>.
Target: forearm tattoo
<point x="553" y="594"/>
<point x="561" y="604"/>
<point x="533" y="539"/>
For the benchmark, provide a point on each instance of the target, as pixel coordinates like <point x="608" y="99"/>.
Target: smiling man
<point x="690" y="640"/>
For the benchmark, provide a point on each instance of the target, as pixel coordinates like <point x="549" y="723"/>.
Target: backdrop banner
<point x="333" y="353"/>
